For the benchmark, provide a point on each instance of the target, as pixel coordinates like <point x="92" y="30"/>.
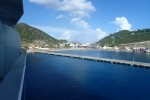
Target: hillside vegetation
<point x="30" y="34"/>
<point x="125" y="36"/>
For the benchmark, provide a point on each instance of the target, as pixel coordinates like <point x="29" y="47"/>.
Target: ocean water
<point x="51" y="77"/>
<point x="122" y="55"/>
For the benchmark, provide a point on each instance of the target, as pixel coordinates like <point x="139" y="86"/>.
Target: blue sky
<point x="86" y="20"/>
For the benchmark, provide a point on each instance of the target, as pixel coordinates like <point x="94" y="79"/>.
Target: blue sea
<point x="122" y="55"/>
<point x="51" y="77"/>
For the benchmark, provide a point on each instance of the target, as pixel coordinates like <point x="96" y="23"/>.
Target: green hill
<point x="125" y="36"/>
<point x="30" y="34"/>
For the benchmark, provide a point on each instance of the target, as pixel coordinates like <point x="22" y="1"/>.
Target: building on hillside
<point x="86" y="45"/>
<point x="73" y="45"/>
<point x="107" y="48"/>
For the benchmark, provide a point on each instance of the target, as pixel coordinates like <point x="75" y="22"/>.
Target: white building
<point x="107" y="48"/>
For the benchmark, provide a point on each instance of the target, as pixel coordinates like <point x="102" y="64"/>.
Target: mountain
<point x="31" y="34"/>
<point x="125" y="36"/>
<point x="63" y="41"/>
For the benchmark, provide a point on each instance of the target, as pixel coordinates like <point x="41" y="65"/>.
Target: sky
<point x="86" y="21"/>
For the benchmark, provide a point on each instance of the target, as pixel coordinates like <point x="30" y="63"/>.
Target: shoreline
<point x="85" y="49"/>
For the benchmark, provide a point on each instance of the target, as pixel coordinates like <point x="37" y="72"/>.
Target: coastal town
<point x="130" y="47"/>
<point x="124" y="40"/>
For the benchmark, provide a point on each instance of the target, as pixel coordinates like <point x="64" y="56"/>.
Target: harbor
<point x="99" y="59"/>
<point x="64" y="78"/>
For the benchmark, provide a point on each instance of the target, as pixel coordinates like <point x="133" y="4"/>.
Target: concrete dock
<point x="115" y="61"/>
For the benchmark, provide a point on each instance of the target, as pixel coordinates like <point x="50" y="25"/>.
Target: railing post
<point x="133" y="62"/>
<point x="113" y="60"/>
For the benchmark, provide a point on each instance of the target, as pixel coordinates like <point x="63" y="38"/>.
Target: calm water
<point x="60" y="78"/>
<point x="140" y="57"/>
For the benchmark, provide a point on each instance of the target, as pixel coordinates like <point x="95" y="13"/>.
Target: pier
<point x="108" y="60"/>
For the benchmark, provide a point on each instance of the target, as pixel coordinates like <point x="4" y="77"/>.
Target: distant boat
<point x="129" y="50"/>
<point x="148" y="50"/>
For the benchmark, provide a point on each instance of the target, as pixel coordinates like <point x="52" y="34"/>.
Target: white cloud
<point x="79" y="14"/>
<point x="66" y="35"/>
<point x="123" y="23"/>
<point x="77" y="8"/>
<point x="60" y="17"/>
<point x="83" y="36"/>
<point x="80" y="23"/>
<point x="90" y="35"/>
<point x="101" y="34"/>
